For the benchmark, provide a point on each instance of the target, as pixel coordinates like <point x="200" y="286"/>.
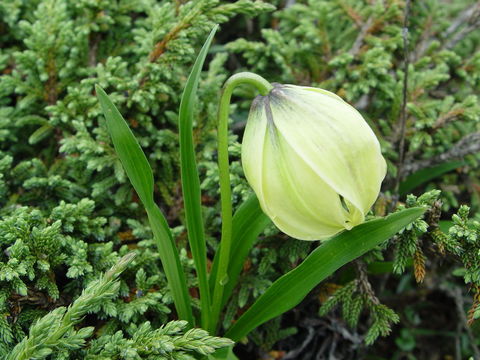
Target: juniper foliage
<point x="68" y="212"/>
<point x="55" y="331"/>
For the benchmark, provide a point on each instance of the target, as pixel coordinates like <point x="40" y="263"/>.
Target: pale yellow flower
<point x="312" y="160"/>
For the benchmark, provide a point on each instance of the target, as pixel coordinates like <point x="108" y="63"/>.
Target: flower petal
<point x="334" y="139"/>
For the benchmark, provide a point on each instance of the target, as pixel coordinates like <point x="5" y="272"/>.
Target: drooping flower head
<point x="312" y="160"/>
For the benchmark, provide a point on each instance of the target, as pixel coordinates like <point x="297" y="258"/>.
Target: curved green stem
<point x="264" y="88"/>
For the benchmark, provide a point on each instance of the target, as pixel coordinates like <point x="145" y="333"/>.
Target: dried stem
<point x="161" y="46"/>
<point x="470" y="144"/>
<point x="364" y="31"/>
<point x="471" y="18"/>
<point x="403" y="113"/>
<point x="456" y="294"/>
<point x="363" y="282"/>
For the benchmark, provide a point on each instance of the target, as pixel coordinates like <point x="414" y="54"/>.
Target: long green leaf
<point x="191" y="182"/>
<point x="248" y="222"/>
<point x="422" y="176"/>
<point x="128" y="149"/>
<point x="140" y="175"/>
<point x="291" y="288"/>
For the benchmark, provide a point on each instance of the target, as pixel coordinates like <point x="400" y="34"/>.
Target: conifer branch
<point x="55" y="330"/>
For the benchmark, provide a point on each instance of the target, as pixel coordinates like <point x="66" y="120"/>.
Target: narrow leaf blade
<point x="140" y="175"/>
<point x="291" y="288"/>
<point x="191" y="182"/>
<point x="171" y="263"/>
<point x="128" y="149"/>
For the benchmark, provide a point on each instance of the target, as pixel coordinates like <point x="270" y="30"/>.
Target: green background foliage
<point x="68" y="212"/>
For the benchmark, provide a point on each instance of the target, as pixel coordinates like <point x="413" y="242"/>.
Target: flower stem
<point x="264" y="88"/>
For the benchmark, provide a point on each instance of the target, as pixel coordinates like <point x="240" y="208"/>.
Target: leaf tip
<point x="99" y="91"/>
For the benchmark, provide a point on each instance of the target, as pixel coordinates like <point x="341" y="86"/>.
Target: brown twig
<point x="456" y="294"/>
<point x="403" y="113"/>
<point x="425" y="40"/>
<point x="161" y="46"/>
<point x="441" y="121"/>
<point x="446" y="118"/>
<point x="356" y="17"/>
<point x="461" y="19"/>
<point x="363" y="282"/>
<point x="470" y="144"/>
<point x="364" y="31"/>
<point x="471" y="18"/>
<point x="293" y="354"/>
